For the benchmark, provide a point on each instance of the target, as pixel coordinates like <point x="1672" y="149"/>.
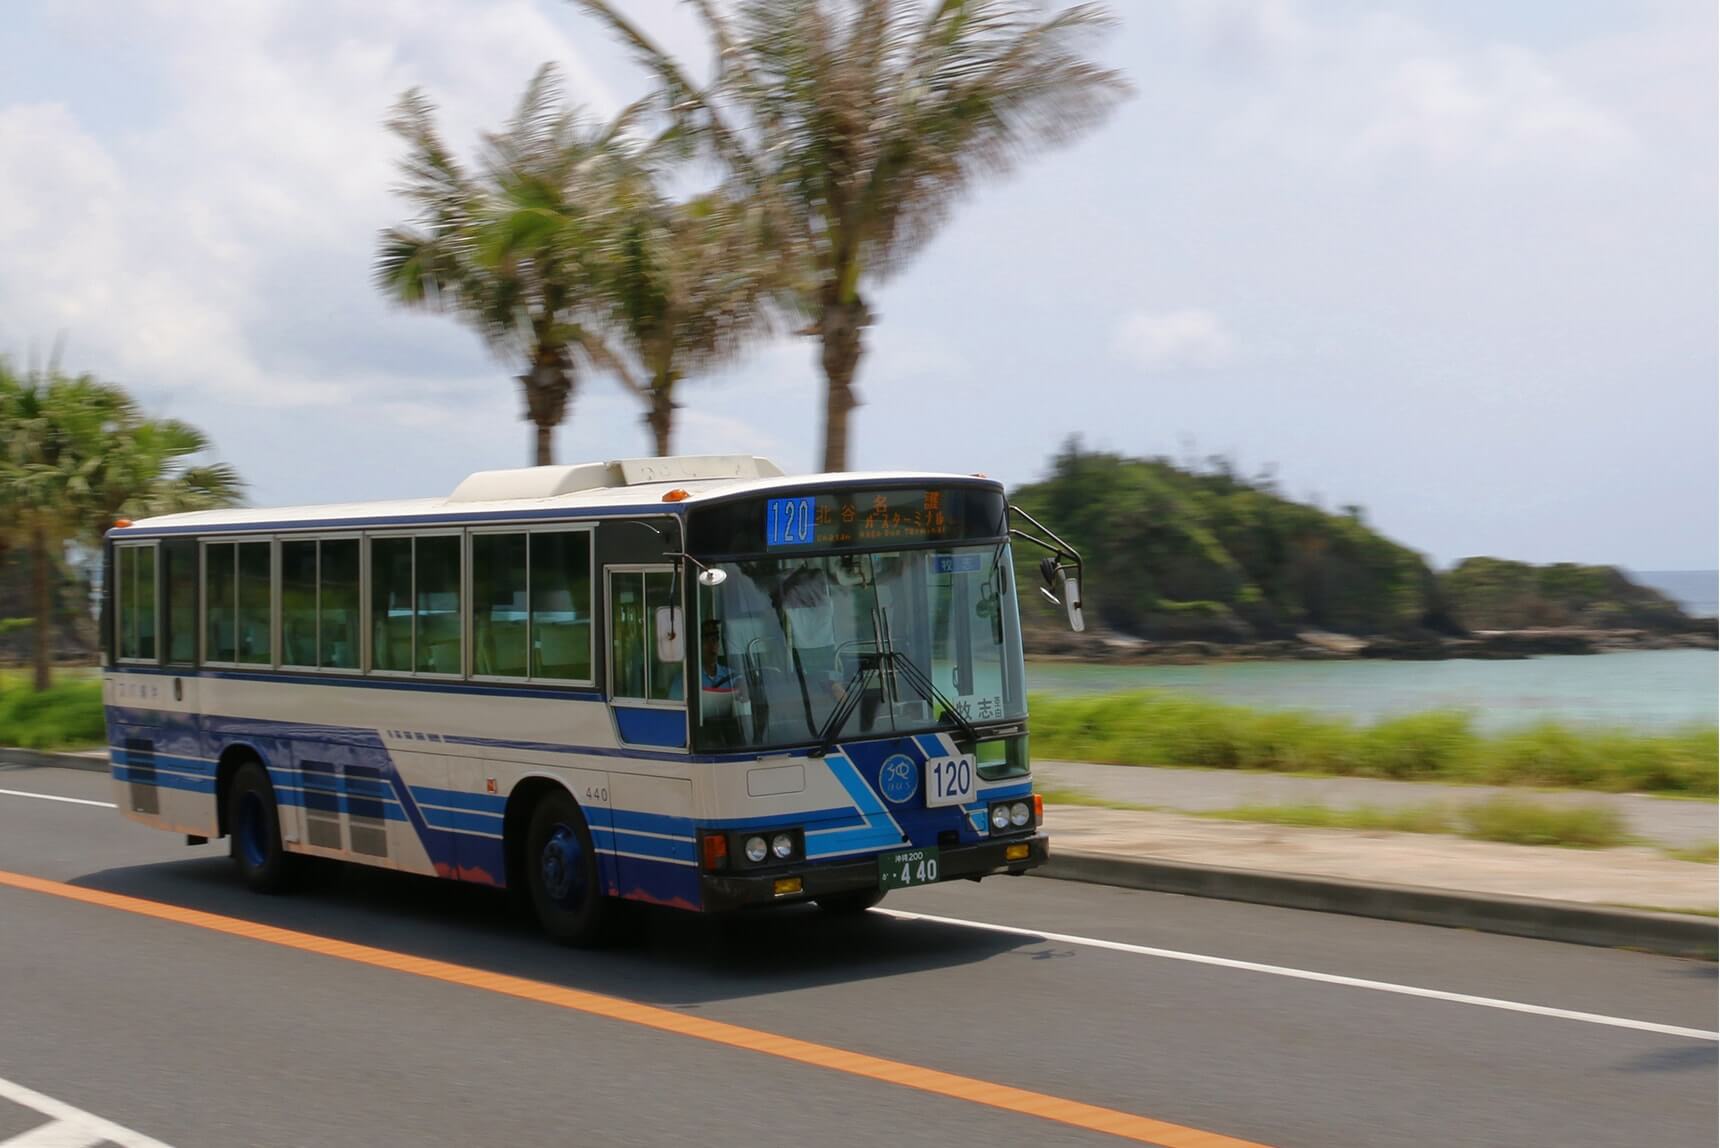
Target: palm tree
<point x="688" y="286"/>
<point x="862" y="122"/>
<point x="492" y="247"/>
<point x="78" y="454"/>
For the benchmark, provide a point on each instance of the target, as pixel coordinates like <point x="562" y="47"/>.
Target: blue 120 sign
<point x="788" y="522"/>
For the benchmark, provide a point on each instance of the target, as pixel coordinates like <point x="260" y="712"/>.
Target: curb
<point x="95" y="760"/>
<point x="1672" y="934"/>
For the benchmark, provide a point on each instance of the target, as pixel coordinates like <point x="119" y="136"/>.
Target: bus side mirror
<point x="1072" y="603"/>
<point x="671" y="639"/>
<point x="1067" y="598"/>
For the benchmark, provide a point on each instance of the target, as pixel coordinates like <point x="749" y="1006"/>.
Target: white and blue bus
<point x="688" y="681"/>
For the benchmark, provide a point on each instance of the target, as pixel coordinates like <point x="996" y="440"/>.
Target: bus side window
<point x="179" y="626"/>
<point x="627" y="633"/>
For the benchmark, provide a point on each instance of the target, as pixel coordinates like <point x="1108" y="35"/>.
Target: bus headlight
<point x="1020" y="814"/>
<point x="756" y="849"/>
<point x="783" y="846"/>
<point x="1000" y="817"/>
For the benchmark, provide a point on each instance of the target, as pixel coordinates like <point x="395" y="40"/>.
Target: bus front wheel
<point x="254" y="827"/>
<point x="561" y="872"/>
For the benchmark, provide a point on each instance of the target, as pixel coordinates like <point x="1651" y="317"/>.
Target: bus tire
<point x="561" y="872"/>
<point x="851" y="903"/>
<point x="254" y="831"/>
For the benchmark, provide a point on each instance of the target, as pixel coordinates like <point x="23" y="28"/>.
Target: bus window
<point x="337" y="604"/>
<point x="499" y="620"/>
<point x="391" y="604"/>
<point x="136" y="600"/>
<point x="627" y="633"/>
<point x="561" y="605"/>
<point x="436" y="593"/>
<point x="219" y="595"/>
<point x="666" y="683"/>
<point x="179" y="625"/>
<point x="299" y="603"/>
<point x="252" y="607"/>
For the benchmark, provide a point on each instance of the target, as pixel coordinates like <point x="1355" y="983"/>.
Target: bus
<point x="692" y="682"/>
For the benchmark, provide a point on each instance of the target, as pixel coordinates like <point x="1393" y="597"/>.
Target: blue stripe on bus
<point x="666" y="848"/>
<point x="477" y="802"/>
<point x="164" y="780"/>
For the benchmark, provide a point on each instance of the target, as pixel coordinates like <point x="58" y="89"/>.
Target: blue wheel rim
<point x="562" y="866"/>
<point x="252" y="830"/>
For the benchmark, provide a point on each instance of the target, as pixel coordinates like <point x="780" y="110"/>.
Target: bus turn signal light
<point x="1015" y="852"/>
<point x="785" y="886"/>
<point x="716" y="851"/>
<point x="1038" y="809"/>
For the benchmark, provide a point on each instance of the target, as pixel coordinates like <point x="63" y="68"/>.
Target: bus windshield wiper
<point x="927" y="689"/>
<point x="852" y="691"/>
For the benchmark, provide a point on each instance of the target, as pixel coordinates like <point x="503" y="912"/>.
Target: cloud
<point x="1371" y="95"/>
<point x="1189" y="337"/>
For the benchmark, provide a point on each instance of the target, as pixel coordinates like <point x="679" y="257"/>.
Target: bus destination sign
<point x="858" y="518"/>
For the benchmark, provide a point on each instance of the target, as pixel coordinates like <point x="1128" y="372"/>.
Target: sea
<point x="1636" y="689"/>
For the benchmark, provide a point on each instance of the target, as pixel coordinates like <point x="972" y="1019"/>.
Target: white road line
<point x="1193" y="958"/>
<point x="1308" y="975"/>
<point x="56" y="797"/>
<point x="68" y="1127"/>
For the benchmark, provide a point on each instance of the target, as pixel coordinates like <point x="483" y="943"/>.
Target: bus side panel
<point x="478" y="810"/>
<point x="160" y="774"/>
<point x="656" y="856"/>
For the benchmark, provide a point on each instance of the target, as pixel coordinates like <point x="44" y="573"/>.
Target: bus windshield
<point x="783" y="641"/>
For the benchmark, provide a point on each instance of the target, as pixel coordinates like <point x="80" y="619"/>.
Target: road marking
<point x="67" y="1127"/>
<point x="1219" y="962"/>
<point x="1308" y="975"/>
<point x="57" y="797"/>
<point x="1091" y="1117"/>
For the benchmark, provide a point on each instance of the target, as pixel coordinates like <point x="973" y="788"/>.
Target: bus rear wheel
<point x="561" y="873"/>
<point x="254" y="830"/>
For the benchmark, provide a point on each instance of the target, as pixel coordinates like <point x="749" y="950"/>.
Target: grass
<point x="67" y="715"/>
<point x="1505" y="819"/>
<point x="1707" y="854"/>
<point x="1666" y="909"/>
<point x="1163" y="728"/>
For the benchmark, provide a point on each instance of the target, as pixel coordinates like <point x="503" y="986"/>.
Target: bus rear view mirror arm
<point x="1061" y="568"/>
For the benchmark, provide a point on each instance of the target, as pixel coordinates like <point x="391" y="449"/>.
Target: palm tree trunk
<point x="543" y="445"/>
<point x="548" y="386"/>
<point x="661" y="417"/>
<point x="42" y="592"/>
<point x="839" y="330"/>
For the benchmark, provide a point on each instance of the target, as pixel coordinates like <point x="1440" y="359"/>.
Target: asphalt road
<point x="181" y="1031"/>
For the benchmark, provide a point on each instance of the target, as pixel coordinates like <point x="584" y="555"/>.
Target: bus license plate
<point x="908" y="867"/>
<point x="949" y="780"/>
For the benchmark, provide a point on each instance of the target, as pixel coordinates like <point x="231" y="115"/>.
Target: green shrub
<point x="1164" y="728"/>
<point x="1520" y="822"/>
<point x="69" y="713"/>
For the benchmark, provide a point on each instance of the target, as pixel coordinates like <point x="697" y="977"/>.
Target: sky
<point x="1453" y="261"/>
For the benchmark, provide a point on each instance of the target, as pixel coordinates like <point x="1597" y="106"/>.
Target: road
<point x="379" y="1009"/>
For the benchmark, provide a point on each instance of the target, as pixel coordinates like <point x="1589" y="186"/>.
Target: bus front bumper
<point x="736" y="890"/>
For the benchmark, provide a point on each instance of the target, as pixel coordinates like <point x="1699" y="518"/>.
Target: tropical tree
<point x="505" y="248"/>
<point x="688" y="286"/>
<point x="79" y="454"/>
<point x="862" y="122"/>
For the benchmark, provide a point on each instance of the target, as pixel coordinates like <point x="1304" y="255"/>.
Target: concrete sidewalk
<point x="1637" y="877"/>
<point x="1663" y="821"/>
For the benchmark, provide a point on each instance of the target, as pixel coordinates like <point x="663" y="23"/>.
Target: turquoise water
<point x="1647" y="689"/>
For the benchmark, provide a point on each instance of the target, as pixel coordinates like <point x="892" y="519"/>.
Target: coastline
<point x="1492" y="645"/>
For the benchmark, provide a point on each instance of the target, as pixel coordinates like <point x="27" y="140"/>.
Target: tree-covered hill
<point x="1497" y="594"/>
<point x="1181" y="553"/>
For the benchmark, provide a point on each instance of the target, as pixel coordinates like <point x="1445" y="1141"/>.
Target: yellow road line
<point x="1046" y="1107"/>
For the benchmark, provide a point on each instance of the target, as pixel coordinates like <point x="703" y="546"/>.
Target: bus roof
<point x="577" y="490"/>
